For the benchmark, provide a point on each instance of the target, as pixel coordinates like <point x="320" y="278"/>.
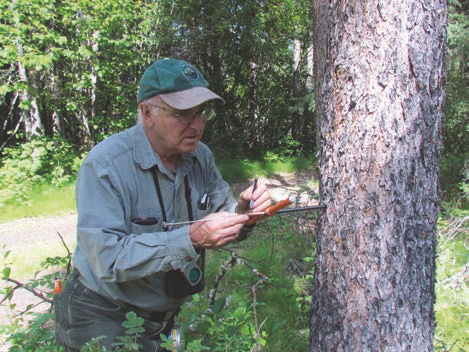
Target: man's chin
<point x="190" y="147"/>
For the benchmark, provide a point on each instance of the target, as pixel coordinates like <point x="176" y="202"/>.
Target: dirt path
<point x="28" y="233"/>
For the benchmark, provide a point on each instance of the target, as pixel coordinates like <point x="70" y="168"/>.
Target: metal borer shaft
<point x="166" y="224"/>
<point x="287" y="210"/>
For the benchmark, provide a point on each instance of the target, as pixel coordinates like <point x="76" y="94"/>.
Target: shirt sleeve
<point x="116" y="249"/>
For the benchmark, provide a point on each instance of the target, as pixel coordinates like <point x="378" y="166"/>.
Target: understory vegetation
<point x="258" y="292"/>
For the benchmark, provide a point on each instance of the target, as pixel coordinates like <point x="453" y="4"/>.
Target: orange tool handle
<point x="270" y="211"/>
<point x="280" y="205"/>
<point x="57" y="286"/>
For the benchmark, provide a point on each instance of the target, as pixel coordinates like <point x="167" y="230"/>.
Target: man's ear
<point x="146" y="112"/>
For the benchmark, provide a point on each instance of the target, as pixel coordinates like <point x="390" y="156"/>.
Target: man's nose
<point x="198" y="121"/>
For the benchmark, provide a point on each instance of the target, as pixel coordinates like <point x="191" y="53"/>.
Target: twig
<point x="244" y="259"/>
<point x="263" y="278"/>
<point x="451" y="231"/>
<point x="29" y="309"/>
<point x="65" y="244"/>
<point x="223" y="270"/>
<point x="69" y="254"/>
<point x="27" y="288"/>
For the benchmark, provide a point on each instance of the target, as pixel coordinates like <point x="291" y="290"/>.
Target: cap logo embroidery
<point x="189" y="72"/>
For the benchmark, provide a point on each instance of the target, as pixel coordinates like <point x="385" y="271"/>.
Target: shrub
<point x="40" y="161"/>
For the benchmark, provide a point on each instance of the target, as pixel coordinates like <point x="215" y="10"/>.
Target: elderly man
<point x="150" y="200"/>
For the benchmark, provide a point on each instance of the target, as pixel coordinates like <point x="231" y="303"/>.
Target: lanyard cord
<point x="187" y="194"/>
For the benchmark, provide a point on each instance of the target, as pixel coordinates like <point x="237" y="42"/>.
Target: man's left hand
<point x="260" y="196"/>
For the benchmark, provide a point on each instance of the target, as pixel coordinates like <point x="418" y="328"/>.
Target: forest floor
<point x="27" y="235"/>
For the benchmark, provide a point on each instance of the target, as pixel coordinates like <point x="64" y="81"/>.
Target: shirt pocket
<point x="201" y="205"/>
<point x="145" y="221"/>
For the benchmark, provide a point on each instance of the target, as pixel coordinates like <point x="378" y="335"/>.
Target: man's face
<point x="172" y="131"/>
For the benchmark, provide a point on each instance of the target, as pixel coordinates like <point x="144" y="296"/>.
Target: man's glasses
<point x="187" y="116"/>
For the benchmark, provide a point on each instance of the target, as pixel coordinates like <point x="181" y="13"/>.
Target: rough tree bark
<point x="379" y="92"/>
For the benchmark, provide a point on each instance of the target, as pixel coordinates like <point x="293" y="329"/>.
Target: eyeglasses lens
<point x="189" y="116"/>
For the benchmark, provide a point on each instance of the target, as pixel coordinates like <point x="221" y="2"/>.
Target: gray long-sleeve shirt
<point x="116" y="256"/>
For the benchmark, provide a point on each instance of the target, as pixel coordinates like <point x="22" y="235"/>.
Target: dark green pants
<point x="81" y="315"/>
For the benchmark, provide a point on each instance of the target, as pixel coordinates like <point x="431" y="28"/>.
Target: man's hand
<point x="219" y="230"/>
<point x="260" y="197"/>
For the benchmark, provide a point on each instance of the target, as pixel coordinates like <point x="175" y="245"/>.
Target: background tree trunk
<point x="379" y="93"/>
<point x="30" y="115"/>
<point x="296" y="89"/>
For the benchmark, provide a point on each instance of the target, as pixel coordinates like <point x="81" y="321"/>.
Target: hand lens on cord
<point x="192" y="273"/>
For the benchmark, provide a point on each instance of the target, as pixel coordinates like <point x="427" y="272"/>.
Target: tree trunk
<point x="30" y="111"/>
<point x="253" y="107"/>
<point x="310" y="66"/>
<point x="30" y="115"/>
<point x="379" y="91"/>
<point x="295" y="125"/>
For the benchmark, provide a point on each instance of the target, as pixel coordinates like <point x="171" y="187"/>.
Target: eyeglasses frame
<point x="207" y="114"/>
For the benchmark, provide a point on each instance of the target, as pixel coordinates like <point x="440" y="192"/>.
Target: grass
<point x="452" y="289"/>
<point x="241" y="170"/>
<point x="44" y="201"/>
<point x="25" y="263"/>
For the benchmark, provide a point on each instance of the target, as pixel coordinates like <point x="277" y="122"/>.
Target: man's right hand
<point x="220" y="230"/>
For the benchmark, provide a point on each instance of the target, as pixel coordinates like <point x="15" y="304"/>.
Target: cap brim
<point x="187" y="99"/>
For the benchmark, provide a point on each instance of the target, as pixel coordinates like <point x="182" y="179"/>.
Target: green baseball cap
<point x="177" y="82"/>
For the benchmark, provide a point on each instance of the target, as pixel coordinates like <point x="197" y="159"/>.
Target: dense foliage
<point x="72" y="68"/>
<point x="38" y="162"/>
<point x="456" y="133"/>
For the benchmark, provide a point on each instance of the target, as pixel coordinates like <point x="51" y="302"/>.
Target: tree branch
<point x="35" y="292"/>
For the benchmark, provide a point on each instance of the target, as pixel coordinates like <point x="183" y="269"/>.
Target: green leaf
<point x="6" y="272"/>
<point x="218" y="306"/>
